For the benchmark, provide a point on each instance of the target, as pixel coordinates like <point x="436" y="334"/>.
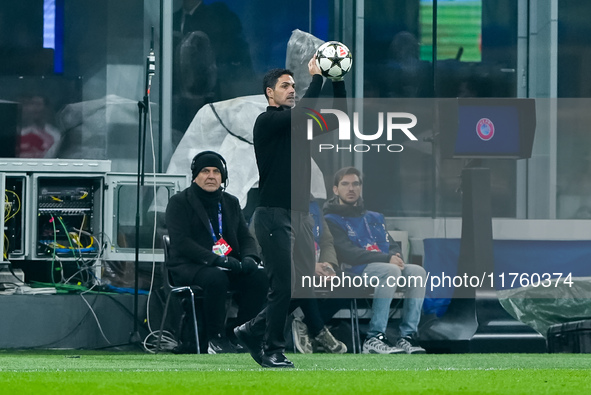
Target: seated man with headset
<point x="210" y="246"/>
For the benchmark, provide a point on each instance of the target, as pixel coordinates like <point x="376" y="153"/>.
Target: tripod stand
<point x="143" y="110"/>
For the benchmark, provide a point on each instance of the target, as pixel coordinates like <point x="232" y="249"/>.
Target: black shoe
<point x="220" y="345"/>
<point x="185" y="348"/>
<point x="254" y="344"/>
<point x="276" y="360"/>
<point x="240" y="349"/>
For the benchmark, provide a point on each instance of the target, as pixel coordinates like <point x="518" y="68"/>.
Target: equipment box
<point x="59" y="210"/>
<point x="570" y="337"/>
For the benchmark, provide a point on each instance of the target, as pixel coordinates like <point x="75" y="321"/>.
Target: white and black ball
<point x="334" y="59"/>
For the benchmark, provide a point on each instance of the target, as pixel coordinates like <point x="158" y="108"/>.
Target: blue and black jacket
<point x="360" y="236"/>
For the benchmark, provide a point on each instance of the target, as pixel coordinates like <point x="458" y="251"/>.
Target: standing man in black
<point x="283" y="224"/>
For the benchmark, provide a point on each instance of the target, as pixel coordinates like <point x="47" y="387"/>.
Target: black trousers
<point x="318" y="312"/>
<point x="287" y="243"/>
<point x="250" y="295"/>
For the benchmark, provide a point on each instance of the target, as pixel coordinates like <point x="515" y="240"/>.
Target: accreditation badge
<point x="221" y="248"/>
<point x="372" y="247"/>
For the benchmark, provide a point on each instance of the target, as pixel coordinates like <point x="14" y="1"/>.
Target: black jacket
<point x="190" y="234"/>
<point x="279" y="149"/>
<point x="347" y="251"/>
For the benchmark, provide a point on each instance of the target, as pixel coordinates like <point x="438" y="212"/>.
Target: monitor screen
<point x="487" y="128"/>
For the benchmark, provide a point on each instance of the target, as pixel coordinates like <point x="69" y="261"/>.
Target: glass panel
<point x="573" y="173"/>
<point x="77" y="69"/>
<point x="574" y="49"/>
<point x="222" y="49"/>
<point x="573" y="192"/>
<point x="476" y="57"/>
<point x="126" y="203"/>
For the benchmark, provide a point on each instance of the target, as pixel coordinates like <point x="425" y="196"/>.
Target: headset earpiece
<point x="224" y="165"/>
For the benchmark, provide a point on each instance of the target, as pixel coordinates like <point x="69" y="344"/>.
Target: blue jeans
<point x="383" y="295"/>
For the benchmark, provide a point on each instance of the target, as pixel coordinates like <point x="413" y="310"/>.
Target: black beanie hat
<point x="207" y="159"/>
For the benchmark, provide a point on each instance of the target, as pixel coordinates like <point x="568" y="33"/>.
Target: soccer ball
<point x="334" y="59"/>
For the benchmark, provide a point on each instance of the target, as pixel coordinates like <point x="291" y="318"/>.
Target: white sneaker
<point x="301" y="338"/>
<point x="330" y="343"/>
<point x="409" y="345"/>
<point x="379" y="344"/>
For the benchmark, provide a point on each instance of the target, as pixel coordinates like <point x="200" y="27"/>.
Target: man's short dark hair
<point x="270" y="79"/>
<point x="346" y="171"/>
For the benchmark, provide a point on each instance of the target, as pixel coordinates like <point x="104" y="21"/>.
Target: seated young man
<point x="361" y="240"/>
<point x="210" y="246"/>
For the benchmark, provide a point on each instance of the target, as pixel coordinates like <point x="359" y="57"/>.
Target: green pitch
<point x="122" y="373"/>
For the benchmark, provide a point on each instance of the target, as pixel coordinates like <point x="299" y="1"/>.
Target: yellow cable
<point x="10" y="216"/>
<point x="5" y="252"/>
<point x="78" y="242"/>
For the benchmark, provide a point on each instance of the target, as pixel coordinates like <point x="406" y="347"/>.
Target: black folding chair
<point x="183" y="291"/>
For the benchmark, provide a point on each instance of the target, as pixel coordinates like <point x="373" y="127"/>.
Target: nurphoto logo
<point x="394" y="122"/>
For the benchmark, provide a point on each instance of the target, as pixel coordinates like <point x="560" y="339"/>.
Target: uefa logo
<point x="485" y="129"/>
